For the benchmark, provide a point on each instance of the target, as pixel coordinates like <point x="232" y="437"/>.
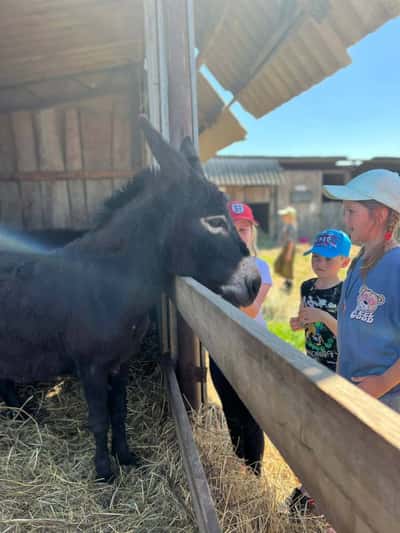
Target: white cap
<point x="380" y="185"/>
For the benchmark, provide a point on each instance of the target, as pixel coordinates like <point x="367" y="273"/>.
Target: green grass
<point x="282" y="330"/>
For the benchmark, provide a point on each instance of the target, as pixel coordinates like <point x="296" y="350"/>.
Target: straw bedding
<point x="47" y="472"/>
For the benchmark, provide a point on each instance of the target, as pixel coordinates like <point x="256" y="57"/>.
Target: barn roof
<point x="218" y="126"/>
<point x="391" y="163"/>
<point x="264" y="53"/>
<point x="244" y="171"/>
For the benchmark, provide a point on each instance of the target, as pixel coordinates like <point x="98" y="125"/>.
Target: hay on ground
<point x="47" y="476"/>
<point x="245" y="503"/>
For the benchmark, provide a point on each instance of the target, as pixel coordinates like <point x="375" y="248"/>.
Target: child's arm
<point x="253" y="309"/>
<point x="377" y="386"/>
<point x="308" y="315"/>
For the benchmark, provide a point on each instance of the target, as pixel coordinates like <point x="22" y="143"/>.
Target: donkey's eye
<point x="215" y="223"/>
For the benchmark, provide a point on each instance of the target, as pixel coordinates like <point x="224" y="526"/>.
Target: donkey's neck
<point x="131" y="241"/>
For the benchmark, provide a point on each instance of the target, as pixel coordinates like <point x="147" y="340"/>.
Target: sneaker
<point x="300" y="503"/>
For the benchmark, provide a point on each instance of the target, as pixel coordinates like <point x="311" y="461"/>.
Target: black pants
<point x="246" y="435"/>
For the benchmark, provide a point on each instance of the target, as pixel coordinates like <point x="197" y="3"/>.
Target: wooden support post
<point x="183" y="122"/>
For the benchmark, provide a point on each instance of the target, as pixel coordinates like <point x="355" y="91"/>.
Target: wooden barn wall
<point x="58" y="164"/>
<point x="309" y="210"/>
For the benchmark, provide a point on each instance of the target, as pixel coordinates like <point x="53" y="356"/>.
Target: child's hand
<point x="295" y="323"/>
<point x="308" y="315"/>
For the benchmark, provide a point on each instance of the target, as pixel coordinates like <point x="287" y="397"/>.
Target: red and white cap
<point x="241" y="211"/>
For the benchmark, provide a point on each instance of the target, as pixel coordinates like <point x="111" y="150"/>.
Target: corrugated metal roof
<point x="266" y="53"/>
<point x="244" y="171"/>
<point x="218" y="126"/>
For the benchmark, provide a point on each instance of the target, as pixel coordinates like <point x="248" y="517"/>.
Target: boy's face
<point x="328" y="267"/>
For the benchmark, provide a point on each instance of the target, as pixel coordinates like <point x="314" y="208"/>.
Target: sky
<point x="354" y="113"/>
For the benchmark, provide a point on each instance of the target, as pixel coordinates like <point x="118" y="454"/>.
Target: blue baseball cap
<point x="331" y="243"/>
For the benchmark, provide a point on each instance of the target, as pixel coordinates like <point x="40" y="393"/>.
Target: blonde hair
<point x="392" y="224"/>
<point x="253" y="245"/>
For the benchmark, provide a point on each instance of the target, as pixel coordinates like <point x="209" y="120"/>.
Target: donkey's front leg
<point x="8" y="393"/>
<point x="118" y="411"/>
<point x="95" y="384"/>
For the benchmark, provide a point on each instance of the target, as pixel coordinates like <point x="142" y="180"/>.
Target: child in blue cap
<point x="320" y="296"/>
<point x="318" y="317"/>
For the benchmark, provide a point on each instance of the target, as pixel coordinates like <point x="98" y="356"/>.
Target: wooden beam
<point x="181" y="106"/>
<point x="88" y="175"/>
<point x="182" y="117"/>
<point x="343" y="444"/>
<point x="203" y="504"/>
<point x="226" y="10"/>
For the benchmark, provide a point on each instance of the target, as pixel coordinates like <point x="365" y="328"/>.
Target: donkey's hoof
<point x="128" y="458"/>
<point x="105" y="477"/>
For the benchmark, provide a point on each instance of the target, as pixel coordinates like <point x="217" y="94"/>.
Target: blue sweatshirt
<point x="369" y="320"/>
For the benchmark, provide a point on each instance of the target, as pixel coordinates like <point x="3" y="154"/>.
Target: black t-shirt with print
<point x="320" y="341"/>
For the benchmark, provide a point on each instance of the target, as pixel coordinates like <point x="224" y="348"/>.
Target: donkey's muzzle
<point x="244" y="284"/>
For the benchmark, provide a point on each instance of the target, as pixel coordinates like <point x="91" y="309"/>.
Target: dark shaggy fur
<point x="80" y="308"/>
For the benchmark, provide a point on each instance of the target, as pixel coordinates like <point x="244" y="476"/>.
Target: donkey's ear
<point x="189" y="151"/>
<point x="171" y="162"/>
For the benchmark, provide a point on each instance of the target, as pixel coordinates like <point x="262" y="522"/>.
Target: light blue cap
<point x="379" y="184"/>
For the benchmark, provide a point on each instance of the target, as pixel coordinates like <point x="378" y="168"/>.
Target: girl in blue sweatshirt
<point x="369" y="309"/>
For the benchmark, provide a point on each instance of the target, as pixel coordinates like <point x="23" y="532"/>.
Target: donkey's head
<point x="199" y="239"/>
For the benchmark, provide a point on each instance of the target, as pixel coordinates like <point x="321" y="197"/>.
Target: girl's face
<point x="245" y="230"/>
<point x="363" y="224"/>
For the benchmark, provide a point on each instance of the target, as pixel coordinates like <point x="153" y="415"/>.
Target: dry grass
<point x="47" y="474"/>
<point x="247" y="504"/>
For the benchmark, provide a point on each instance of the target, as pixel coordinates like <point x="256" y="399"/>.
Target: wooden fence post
<point x="183" y="122"/>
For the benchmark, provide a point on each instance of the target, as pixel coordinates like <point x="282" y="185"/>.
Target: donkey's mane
<point x="121" y="197"/>
<point x="148" y="178"/>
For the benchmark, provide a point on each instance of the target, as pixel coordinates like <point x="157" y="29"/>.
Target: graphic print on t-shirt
<point x="320" y="341"/>
<point x="368" y="302"/>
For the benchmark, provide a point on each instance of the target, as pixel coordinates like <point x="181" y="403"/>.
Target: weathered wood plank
<point x="138" y="154"/>
<point x="89" y="175"/>
<point x="77" y="200"/>
<point x="96" y="139"/>
<point x="49" y="140"/>
<point x="202" y="500"/>
<point x="73" y="148"/>
<point x="122" y="135"/>
<point x="343" y="444"/>
<point x="56" y="209"/>
<point x="10" y="203"/>
<point x="7" y="148"/>
<point x="61" y="207"/>
<point x="31" y="201"/>
<point x="25" y="142"/>
<point x="96" y="192"/>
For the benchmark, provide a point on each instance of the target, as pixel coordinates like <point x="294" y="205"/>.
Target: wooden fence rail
<point x="343" y="444"/>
